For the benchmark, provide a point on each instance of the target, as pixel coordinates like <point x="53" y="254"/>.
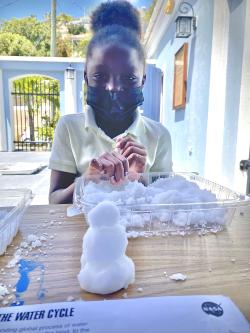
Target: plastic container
<point x="171" y="218"/>
<point x="12" y="207"/>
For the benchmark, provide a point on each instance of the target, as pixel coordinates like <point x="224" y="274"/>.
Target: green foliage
<point x="38" y="33"/>
<point x="30" y="37"/>
<point x="81" y="48"/>
<point x="76" y="29"/>
<point x="64" y="18"/>
<point x="47" y="131"/>
<point x="12" y="44"/>
<point x="149" y="11"/>
<point x="63" y="48"/>
<point x="38" y="93"/>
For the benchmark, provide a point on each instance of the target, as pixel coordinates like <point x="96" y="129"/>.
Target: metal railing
<point x="35" y="101"/>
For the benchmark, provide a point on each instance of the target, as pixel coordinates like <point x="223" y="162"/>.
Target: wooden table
<point x="214" y="263"/>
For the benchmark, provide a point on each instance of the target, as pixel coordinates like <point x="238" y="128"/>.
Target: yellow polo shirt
<point x="78" y="140"/>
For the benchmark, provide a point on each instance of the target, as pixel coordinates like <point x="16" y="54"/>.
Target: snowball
<point x="113" y="277"/>
<point x="3" y="290"/>
<point x="31" y="238"/>
<point x="196" y="217"/>
<point x="24" y="245"/>
<point x="107" y="214"/>
<point x="178" y="277"/>
<point x="111" y="244"/>
<point x="14" y="261"/>
<point x="36" y="243"/>
<point x="180" y="219"/>
<point x="104" y="266"/>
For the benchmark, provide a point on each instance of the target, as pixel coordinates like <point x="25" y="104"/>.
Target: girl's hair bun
<point x="119" y="12"/>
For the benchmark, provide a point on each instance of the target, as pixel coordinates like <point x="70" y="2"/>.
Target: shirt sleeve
<point x="62" y="158"/>
<point x="163" y="157"/>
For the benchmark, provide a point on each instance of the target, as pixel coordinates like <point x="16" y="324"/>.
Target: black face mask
<point x="116" y="107"/>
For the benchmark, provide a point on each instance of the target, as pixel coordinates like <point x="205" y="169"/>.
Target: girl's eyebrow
<point x="129" y="69"/>
<point x="99" y="67"/>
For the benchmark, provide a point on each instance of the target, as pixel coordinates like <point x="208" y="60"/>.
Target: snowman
<point x="104" y="266"/>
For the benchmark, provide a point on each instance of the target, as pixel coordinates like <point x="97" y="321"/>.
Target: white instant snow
<point x="105" y="267"/>
<point x="16" y="257"/>
<point x="3" y="290"/>
<point x="32" y="242"/>
<point x="172" y="191"/>
<point x="178" y="277"/>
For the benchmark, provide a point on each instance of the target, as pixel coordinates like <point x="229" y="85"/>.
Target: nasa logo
<point x="212" y="309"/>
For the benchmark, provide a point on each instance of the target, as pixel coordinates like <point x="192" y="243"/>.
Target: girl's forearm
<point x="62" y="196"/>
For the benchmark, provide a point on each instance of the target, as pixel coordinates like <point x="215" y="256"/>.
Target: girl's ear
<point x="144" y="79"/>
<point x="85" y="77"/>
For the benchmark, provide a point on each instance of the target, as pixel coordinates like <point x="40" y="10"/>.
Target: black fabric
<point x="114" y="110"/>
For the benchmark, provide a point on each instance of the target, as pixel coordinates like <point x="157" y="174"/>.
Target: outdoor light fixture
<point x="70" y="72"/>
<point x="185" y="23"/>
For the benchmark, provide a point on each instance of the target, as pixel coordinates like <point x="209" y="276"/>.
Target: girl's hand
<point x="114" y="165"/>
<point x="134" y="152"/>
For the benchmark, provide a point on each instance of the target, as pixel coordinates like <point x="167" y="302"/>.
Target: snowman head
<point x="105" y="214"/>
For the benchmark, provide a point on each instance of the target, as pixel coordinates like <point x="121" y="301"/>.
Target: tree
<point x="76" y="29"/>
<point x="38" y="33"/>
<point x="64" y="18"/>
<point x="15" y="45"/>
<point x="38" y="94"/>
<point x="82" y="46"/>
<point x="63" y="48"/>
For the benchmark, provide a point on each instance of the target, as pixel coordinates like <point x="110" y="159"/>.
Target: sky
<point x="76" y="8"/>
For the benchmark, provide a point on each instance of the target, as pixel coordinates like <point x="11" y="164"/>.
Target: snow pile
<point x="3" y="290"/>
<point x="26" y="246"/>
<point x="178" y="277"/>
<point x="174" y="191"/>
<point x="105" y="267"/>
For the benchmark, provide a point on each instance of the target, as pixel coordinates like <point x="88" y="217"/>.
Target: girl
<point x="111" y="136"/>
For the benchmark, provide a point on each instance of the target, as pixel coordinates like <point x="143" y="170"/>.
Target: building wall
<point x="188" y="126"/>
<point x="233" y="88"/>
<point x="16" y="67"/>
<point x="228" y="132"/>
<point x="212" y="134"/>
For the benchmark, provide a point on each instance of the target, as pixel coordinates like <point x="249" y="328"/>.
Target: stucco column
<point x="217" y="92"/>
<point x="243" y="135"/>
<point x="70" y="94"/>
<point x="3" y="138"/>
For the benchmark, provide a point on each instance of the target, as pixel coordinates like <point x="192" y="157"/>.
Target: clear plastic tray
<point x="12" y="206"/>
<point x="171" y="218"/>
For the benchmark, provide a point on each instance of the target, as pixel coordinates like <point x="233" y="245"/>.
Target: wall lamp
<point x="70" y="72"/>
<point x="185" y="23"/>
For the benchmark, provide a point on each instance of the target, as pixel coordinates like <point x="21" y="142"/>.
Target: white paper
<point x="173" y="314"/>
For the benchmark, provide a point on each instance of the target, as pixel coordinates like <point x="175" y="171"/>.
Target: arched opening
<point x="36" y="110"/>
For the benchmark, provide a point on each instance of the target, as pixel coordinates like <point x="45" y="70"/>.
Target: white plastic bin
<point x="12" y="207"/>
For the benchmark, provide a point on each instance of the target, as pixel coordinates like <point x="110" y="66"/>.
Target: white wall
<point x="70" y="95"/>
<point x="3" y="143"/>
<point x="217" y="91"/>
<point x="228" y="128"/>
<point x="243" y="137"/>
<point x="187" y="126"/>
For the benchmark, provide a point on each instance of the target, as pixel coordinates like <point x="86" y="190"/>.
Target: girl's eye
<point x="99" y="76"/>
<point x="130" y="78"/>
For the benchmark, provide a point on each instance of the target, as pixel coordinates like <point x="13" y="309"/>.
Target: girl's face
<point x="114" y="68"/>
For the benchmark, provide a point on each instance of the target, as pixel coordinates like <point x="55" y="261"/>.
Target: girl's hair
<point x="116" y="22"/>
